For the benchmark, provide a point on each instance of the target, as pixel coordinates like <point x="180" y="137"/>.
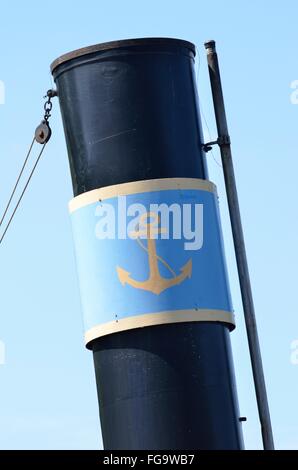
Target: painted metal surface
<point x="151" y="257"/>
<point x="131" y="113"/>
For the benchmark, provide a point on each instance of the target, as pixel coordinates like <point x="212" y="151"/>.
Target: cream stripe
<point x="139" y="187"/>
<point x="151" y="319"/>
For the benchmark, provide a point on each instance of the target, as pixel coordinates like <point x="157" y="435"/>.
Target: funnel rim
<point x="106" y="46"/>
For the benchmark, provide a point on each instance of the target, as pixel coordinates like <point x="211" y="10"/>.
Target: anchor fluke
<point x="123" y="275"/>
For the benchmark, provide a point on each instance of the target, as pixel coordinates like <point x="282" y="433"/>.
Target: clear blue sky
<point x="47" y="392"/>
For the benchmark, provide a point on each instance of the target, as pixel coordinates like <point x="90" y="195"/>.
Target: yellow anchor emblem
<point x="148" y="226"/>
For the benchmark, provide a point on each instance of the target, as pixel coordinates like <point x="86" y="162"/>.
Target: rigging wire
<point x="202" y="112"/>
<point x="17" y="182"/>
<point x="22" y="193"/>
<point x="42" y="136"/>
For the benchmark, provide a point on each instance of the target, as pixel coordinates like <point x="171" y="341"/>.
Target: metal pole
<point x="243" y="273"/>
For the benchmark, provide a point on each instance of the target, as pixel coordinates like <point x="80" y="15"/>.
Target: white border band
<point x="161" y="318"/>
<point x="136" y="187"/>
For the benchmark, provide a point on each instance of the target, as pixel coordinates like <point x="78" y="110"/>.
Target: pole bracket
<point x="221" y="141"/>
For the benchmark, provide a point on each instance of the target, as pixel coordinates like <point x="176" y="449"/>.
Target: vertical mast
<point x="239" y="245"/>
